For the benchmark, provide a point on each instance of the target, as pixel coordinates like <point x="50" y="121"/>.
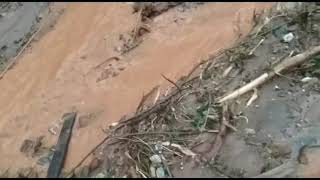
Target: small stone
<point x="114" y="124"/>
<point x="118" y="48"/>
<point x="180" y="9"/>
<point x="280" y="150"/>
<point x="288" y="37"/>
<point x="3" y="15"/>
<point x="250" y="131"/>
<point x="43" y="161"/>
<point x="100" y="175"/>
<point x="309" y="79"/>
<point x="155" y="159"/>
<point x="276" y="88"/>
<point x="274" y="51"/>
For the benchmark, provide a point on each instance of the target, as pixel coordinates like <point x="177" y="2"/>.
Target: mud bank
<point x="18" y="21"/>
<point x="56" y="75"/>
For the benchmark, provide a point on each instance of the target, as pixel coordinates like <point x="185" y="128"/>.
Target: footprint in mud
<point x="110" y="67"/>
<point x="86" y="119"/>
<point x="106" y="73"/>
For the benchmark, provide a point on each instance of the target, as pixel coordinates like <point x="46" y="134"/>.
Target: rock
<point x="43" y="161"/>
<point x="280" y="150"/>
<point x="250" y="131"/>
<point x="180" y="9"/>
<point x="118" y="49"/>
<point x="288" y="37"/>
<point x="100" y="175"/>
<point x="94" y="164"/>
<point x="156" y="159"/>
<point x="309" y="79"/>
<point x="3" y="15"/>
<point x="276" y="88"/>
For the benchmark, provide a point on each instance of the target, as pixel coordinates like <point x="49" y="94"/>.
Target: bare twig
<point x="171" y="82"/>
<point x="208" y="111"/>
<point x="137" y="26"/>
<point x="253" y="97"/>
<point x="227" y="71"/>
<point x="145" y="97"/>
<point x="260" y="42"/>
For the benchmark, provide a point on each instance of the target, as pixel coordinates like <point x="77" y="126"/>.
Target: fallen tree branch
<point x="285" y="64"/>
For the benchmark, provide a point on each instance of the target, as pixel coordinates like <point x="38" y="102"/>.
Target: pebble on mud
<point x="249" y="131"/>
<point x="276" y="87"/>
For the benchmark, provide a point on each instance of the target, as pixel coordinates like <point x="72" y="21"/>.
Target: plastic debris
<point x="288" y="37"/>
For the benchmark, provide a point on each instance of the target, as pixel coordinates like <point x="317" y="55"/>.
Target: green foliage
<point x="200" y="117"/>
<point x="316" y="61"/>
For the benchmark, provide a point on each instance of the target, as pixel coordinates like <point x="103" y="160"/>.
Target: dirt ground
<point x="114" y="60"/>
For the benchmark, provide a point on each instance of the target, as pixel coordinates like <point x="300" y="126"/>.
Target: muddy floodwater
<point x="56" y="73"/>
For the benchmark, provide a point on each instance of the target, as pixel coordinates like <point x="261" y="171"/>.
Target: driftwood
<point x="62" y="146"/>
<point x="284" y="65"/>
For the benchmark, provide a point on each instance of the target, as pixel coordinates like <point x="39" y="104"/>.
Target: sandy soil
<point x="55" y="75"/>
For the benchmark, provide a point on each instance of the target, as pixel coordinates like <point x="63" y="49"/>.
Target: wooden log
<point x="62" y="145"/>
